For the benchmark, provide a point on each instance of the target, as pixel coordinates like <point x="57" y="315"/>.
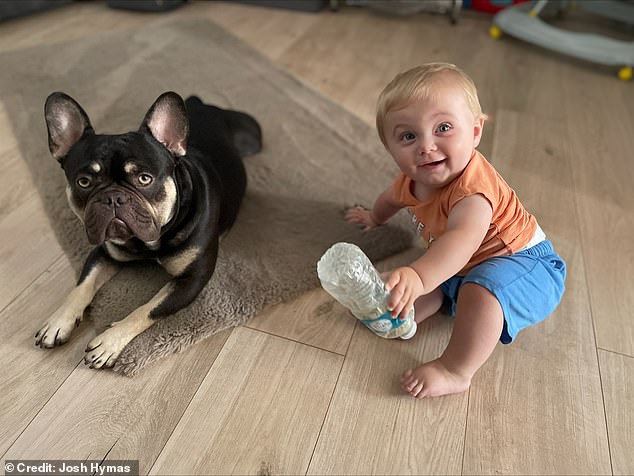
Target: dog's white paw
<point x="103" y="350"/>
<point x="57" y="330"/>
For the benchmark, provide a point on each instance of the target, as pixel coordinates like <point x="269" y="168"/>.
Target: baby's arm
<point x="467" y="225"/>
<point x="384" y="208"/>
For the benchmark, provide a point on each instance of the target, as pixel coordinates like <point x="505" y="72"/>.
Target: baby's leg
<point x="478" y="326"/>
<point x="427" y="305"/>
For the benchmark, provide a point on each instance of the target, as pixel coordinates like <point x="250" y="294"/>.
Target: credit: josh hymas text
<point x="58" y="468"/>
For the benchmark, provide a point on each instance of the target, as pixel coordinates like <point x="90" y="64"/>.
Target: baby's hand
<point x="360" y="216"/>
<point x="404" y="286"/>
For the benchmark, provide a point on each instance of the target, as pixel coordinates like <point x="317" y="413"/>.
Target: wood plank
<point x="59" y="25"/>
<point x="29" y="375"/>
<point x="27" y="248"/>
<point x="313" y="319"/>
<point x="350" y="56"/>
<point x="374" y="427"/>
<point x="258" y="411"/>
<point x="617" y="378"/>
<point x="95" y="414"/>
<point x="272" y="37"/>
<point x="542" y="393"/>
<point x="16" y="185"/>
<point x="601" y="143"/>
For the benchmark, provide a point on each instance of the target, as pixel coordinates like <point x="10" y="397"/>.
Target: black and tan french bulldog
<point x="166" y="192"/>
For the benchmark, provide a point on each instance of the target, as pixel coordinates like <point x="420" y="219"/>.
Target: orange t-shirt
<point x="512" y="227"/>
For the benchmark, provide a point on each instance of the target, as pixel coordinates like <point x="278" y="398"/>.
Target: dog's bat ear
<point x="66" y="122"/>
<point x="167" y="121"/>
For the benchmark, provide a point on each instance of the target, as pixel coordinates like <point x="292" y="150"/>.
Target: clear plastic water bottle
<point x="348" y="275"/>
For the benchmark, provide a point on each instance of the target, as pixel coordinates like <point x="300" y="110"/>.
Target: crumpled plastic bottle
<point x="349" y="276"/>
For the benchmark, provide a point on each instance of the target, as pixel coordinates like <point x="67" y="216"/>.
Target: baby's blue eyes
<point x="444" y="127"/>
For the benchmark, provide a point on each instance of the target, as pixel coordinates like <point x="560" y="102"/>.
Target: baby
<point x="486" y="257"/>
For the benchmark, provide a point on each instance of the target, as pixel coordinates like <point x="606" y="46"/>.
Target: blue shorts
<point x="528" y="284"/>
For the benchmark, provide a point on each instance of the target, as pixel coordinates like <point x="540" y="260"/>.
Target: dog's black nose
<point x="116" y="199"/>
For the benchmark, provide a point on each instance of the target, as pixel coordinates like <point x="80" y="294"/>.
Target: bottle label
<point x="384" y="323"/>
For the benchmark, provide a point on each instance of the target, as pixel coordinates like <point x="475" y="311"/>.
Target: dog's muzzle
<point x="116" y="214"/>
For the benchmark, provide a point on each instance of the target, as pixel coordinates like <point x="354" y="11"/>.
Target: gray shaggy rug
<point x="317" y="159"/>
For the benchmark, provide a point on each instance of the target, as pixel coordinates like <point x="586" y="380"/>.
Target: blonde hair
<point x="418" y="83"/>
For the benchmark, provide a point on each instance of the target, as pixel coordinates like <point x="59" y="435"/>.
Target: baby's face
<point x="433" y="139"/>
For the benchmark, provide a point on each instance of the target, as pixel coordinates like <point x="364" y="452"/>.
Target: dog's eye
<point x="145" y="179"/>
<point x="84" y="182"/>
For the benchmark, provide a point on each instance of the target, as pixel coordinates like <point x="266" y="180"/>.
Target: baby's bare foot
<point x="433" y="379"/>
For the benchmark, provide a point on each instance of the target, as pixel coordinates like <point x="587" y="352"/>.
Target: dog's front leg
<point x="98" y="269"/>
<point x="104" y="349"/>
<point x="191" y="268"/>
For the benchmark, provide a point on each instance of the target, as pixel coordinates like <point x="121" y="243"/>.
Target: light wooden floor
<point x="295" y="393"/>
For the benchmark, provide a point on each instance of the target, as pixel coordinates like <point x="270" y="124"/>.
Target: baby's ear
<point x="477" y="131"/>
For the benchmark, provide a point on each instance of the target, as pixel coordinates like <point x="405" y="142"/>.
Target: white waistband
<point x="538" y="237"/>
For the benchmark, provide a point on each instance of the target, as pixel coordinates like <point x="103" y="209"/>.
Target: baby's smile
<point x="433" y="164"/>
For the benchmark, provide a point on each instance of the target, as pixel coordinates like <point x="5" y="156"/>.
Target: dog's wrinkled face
<point x="120" y="186"/>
